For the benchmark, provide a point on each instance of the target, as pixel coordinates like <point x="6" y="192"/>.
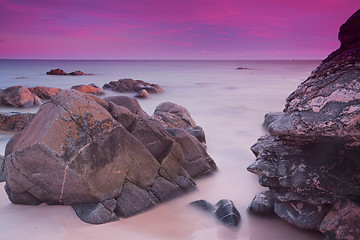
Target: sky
<point x="171" y="29"/>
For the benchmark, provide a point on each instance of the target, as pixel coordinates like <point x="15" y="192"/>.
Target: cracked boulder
<point x="97" y="156"/>
<point x="309" y="159"/>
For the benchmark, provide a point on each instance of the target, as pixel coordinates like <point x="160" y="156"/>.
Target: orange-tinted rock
<point x="88" y="89"/>
<point x="19" y="96"/>
<point x="44" y="92"/>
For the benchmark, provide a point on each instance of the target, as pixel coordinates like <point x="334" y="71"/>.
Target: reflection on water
<point x="227" y="103"/>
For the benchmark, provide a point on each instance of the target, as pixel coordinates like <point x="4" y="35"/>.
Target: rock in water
<point x="131" y="85"/>
<point x="224" y="210"/>
<point x="310" y="157"/>
<point x="88" y="89"/>
<point x="57" y="72"/>
<point x="97" y="156"/>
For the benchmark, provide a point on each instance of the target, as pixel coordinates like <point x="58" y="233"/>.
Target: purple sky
<point x="171" y="29"/>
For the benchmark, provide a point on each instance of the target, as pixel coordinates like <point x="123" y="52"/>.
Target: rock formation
<point x="130" y="85"/>
<point x="310" y="157"/>
<point x="101" y="158"/>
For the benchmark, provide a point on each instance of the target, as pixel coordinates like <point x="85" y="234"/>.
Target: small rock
<point x="224" y="210"/>
<point x="263" y="203"/>
<point x="142" y="94"/>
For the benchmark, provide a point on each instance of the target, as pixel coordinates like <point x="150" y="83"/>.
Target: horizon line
<point x="148" y="59"/>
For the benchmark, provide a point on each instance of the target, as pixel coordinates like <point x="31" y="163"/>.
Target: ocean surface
<point x="229" y="104"/>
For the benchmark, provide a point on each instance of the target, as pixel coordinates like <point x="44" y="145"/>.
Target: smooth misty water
<point x="229" y="104"/>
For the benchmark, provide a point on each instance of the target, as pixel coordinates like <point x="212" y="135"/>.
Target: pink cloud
<point x="171" y="29"/>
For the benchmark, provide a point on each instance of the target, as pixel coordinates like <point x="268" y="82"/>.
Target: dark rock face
<point x="224" y="210"/>
<point x="310" y="157"/>
<point x="130" y="85"/>
<point x="19" y="96"/>
<point x="15" y="121"/>
<point x="88" y="89"/>
<point x="97" y="156"/>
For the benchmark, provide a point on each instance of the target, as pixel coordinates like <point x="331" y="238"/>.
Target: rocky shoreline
<point x="309" y="159"/>
<point x="105" y="157"/>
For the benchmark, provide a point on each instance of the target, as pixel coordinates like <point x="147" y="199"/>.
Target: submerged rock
<point x="224" y="210"/>
<point x="310" y="157"/>
<point x="97" y="156"/>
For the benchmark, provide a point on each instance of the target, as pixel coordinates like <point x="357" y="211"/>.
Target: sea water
<point x="228" y="103"/>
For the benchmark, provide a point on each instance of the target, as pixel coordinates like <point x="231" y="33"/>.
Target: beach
<point x="229" y="104"/>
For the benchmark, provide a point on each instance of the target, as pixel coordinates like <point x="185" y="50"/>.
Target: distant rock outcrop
<point x="101" y="158"/>
<point x="62" y="72"/>
<point x="310" y="159"/>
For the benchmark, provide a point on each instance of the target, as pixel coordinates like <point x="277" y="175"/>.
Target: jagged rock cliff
<point x="310" y="158"/>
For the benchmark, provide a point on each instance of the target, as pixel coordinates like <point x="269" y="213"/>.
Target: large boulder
<point x="310" y="157"/>
<point x="19" y="96"/>
<point x="97" y="156"/>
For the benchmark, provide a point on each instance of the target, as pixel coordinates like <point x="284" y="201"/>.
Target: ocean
<point x="229" y="104"/>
